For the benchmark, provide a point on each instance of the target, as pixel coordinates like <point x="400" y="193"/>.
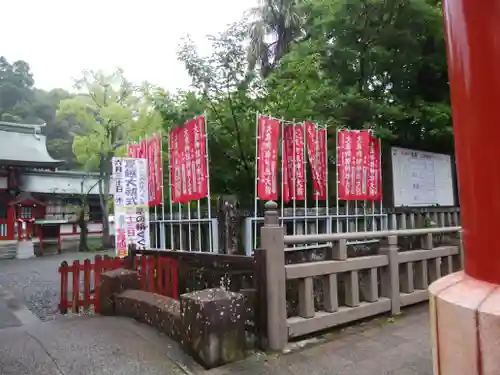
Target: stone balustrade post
<point x="390" y="275"/>
<point x="272" y="242"/>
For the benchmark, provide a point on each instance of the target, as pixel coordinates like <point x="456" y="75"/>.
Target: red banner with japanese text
<point x="155" y="171"/>
<point x="293" y="174"/>
<point x="151" y="151"/>
<point x="188" y="167"/>
<point x="373" y="170"/>
<point x="175" y="161"/>
<point x="323" y="166"/>
<point x="358" y="166"/>
<point x="317" y="154"/>
<point x="195" y="159"/>
<point x="267" y="152"/>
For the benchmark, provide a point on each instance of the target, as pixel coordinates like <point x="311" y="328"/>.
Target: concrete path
<point x="13" y="313"/>
<point x="86" y="345"/>
<point x="119" y="346"/>
<point x="380" y="347"/>
<point x="103" y="345"/>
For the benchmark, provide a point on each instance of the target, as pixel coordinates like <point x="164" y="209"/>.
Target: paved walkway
<point x="119" y="346"/>
<point x="380" y="347"/>
<point x="36" y="281"/>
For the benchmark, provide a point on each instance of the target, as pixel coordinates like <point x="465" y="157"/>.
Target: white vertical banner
<point x="131" y="198"/>
<point x="118" y="189"/>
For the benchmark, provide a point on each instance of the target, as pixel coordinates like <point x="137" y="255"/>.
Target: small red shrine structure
<point x="38" y="202"/>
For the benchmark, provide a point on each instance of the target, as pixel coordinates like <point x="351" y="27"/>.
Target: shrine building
<point x="39" y="202"/>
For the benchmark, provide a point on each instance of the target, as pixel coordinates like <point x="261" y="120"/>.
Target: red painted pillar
<point x="473" y="47"/>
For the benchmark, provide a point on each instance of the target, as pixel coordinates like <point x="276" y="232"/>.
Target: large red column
<point x="473" y="47"/>
<point x="465" y="307"/>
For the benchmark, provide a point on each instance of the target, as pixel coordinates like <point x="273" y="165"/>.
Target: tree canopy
<point x="356" y="64"/>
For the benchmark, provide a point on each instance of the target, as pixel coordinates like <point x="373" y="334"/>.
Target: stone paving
<point x="110" y="345"/>
<point x="36" y="281"/>
<point x="115" y="346"/>
<point x="380" y="347"/>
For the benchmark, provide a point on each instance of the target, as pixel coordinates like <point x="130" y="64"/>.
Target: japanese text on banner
<point x="196" y="163"/>
<point x="374" y="180"/>
<point x="316" y="152"/>
<point x="359" y="166"/>
<point x="175" y="167"/>
<point x="188" y="161"/>
<point x="151" y="151"/>
<point x="323" y="165"/>
<point x="130" y="179"/>
<point x="293" y="161"/>
<point x="155" y="171"/>
<point x="119" y="200"/>
<point x="267" y="151"/>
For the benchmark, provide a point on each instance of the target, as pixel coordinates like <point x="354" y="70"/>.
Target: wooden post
<point x="272" y="239"/>
<point x="63" y="302"/>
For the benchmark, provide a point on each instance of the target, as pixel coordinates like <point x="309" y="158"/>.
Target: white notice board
<point x="421" y="178"/>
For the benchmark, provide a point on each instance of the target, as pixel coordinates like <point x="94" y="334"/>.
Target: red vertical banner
<point x="196" y="163"/>
<point x="373" y="170"/>
<point x="354" y="157"/>
<point x="175" y="166"/>
<point x="323" y="165"/>
<point x="293" y="175"/>
<point x="155" y="171"/>
<point x="317" y="154"/>
<point x="187" y="150"/>
<point x="267" y="164"/>
<point x="132" y="150"/>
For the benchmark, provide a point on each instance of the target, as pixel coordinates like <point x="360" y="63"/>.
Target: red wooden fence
<point x="156" y="274"/>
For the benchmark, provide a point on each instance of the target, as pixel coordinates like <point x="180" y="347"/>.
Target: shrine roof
<point x="24" y="145"/>
<point x="59" y="182"/>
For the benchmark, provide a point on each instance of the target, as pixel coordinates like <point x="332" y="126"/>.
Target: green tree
<point x="21" y="102"/>
<point x="108" y="109"/>
<point x="274" y="25"/>
<point x="378" y="64"/>
<point x="16" y="81"/>
<point x="229" y="94"/>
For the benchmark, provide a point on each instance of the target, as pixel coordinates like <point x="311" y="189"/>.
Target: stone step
<point x="8" y="251"/>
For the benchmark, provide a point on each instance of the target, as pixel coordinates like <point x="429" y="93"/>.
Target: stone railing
<point x="352" y="288"/>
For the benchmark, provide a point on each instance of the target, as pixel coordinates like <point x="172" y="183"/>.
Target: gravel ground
<point x="37" y="282"/>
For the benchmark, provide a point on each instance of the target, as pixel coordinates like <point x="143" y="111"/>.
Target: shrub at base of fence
<point x="210" y="324"/>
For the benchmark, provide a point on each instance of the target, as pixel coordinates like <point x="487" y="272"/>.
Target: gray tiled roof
<point x="24" y="145"/>
<point x="60" y="182"/>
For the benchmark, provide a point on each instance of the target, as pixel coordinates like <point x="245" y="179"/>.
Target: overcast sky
<point x="60" y="38"/>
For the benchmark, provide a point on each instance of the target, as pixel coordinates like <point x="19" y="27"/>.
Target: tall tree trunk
<point x="82" y="223"/>
<point x="104" y="185"/>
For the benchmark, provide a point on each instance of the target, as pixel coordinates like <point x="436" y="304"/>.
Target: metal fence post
<point x="272" y="242"/>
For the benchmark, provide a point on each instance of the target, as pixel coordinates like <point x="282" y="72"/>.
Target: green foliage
<point x="356" y="64"/>
<point x="21" y="102"/>
<point x="108" y="111"/>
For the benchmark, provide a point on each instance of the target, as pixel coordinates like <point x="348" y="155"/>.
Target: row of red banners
<point x="188" y="165"/>
<point x="150" y="149"/>
<point x="358" y="162"/>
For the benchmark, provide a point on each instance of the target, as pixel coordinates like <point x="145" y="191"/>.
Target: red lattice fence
<point x="156" y="274"/>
